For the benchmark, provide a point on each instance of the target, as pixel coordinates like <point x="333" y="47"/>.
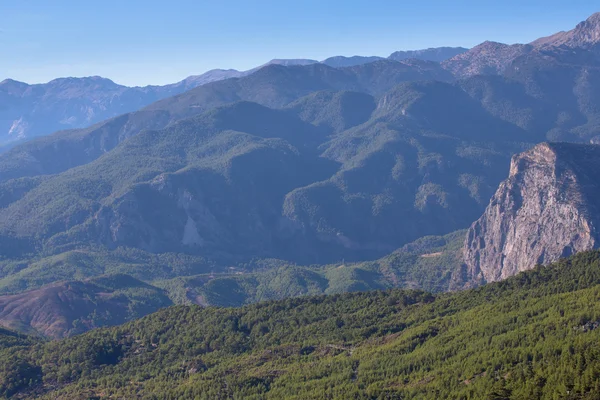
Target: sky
<point x="136" y="42"/>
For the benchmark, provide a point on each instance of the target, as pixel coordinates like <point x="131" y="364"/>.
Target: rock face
<point x="547" y="208"/>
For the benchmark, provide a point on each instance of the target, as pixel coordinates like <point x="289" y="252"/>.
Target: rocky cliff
<point x="547" y="208"/>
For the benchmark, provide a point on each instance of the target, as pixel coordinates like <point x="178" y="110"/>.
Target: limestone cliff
<point x="549" y="207"/>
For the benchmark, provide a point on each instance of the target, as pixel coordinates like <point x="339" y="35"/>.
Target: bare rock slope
<point x="549" y="207"/>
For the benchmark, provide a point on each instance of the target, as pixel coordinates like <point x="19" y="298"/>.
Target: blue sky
<point x="138" y="42"/>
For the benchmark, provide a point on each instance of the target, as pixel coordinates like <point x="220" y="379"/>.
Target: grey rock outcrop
<point x="549" y="207"/>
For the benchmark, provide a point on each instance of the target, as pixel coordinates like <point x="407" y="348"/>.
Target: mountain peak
<point x="13" y="87"/>
<point x="594" y="19"/>
<point x="487" y="58"/>
<point x="437" y="54"/>
<point x="586" y="34"/>
<point x="11" y="82"/>
<point x="289" y="62"/>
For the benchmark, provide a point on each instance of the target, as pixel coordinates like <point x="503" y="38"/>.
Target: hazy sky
<point x="138" y="42"/>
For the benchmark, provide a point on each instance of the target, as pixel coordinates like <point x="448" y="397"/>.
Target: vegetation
<point x="533" y="336"/>
<point x="109" y="288"/>
<point x="427" y="264"/>
<point x="72" y="307"/>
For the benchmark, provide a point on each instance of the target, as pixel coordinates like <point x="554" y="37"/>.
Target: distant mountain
<point x="341" y="61"/>
<point x="488" y="58"/>
<point x="492" y="58"/>
<point x="27" y="111"/>
<point x="279" y="186"/>
<point x="210" y="76"/>
<point x="287" y="62"/>
<point x="437" y="54"/>
<point x="364" y="157"/>
<point x="546" y="209"/>
<point x="273" y="86"/>
<point x="585" y="35"/>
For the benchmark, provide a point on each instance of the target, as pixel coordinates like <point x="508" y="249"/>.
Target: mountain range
<point x="28" y="111"/>
<point x="304" y="178"/>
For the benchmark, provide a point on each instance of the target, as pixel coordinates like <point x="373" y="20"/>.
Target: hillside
<point x="532" y="336"/>
<point x="280" y="187"/>
<point x="69" y="308"/>
<point x="40" y="295"/>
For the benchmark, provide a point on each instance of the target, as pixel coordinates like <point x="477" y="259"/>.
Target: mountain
<point x="27" y="111"/>
<point x="213" y="75"/>
<point x="67" y="308"/>
<point x="337" y="111"/>
<point x="532" y="336"/>
<point x="492" y="58"/>
<point x="553" y="96"/>
<point x="293" y="180"/>
<point x="487" y="58"/>
<point x="272" y="86"/>
<point x="585" y="35"/>
<point x="279" y="186"/>
<point x="402" y="165"/>
<point x="338" y="168"/>
<point x="546" y="209"/>
<point x="287" y="62"/>
<point x="342" y="61"/>
<point x="437" y="54"/>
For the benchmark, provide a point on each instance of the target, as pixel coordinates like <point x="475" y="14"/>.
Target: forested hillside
<point x="533" y="336"/>
<point x="107" y="289"/>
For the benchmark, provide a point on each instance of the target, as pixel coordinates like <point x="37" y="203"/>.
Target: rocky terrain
<point x="547" y="208"/>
